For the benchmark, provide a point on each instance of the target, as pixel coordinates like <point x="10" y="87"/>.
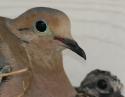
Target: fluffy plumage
<point x="99" y="83"/>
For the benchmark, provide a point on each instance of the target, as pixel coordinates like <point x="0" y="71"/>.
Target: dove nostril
<point x="41" y="26"/>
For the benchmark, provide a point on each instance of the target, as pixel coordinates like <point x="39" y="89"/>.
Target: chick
<point x="99" y="83"/>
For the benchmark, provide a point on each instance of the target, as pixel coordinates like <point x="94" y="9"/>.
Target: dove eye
<point x="41" y="26"/>
<point x="102" y="84"/>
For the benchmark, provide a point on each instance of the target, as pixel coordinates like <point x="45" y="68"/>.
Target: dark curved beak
<point x="72" y="45"/>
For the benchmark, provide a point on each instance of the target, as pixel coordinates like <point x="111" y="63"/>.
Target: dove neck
<point x="46" y="62"/>
<point x="49" y="77"/>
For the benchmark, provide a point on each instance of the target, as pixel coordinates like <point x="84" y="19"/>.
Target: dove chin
<point x="72" y="45"/>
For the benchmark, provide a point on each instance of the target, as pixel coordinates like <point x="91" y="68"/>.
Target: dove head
<point x="101" y="84"/>
<point x="36" y="39"/>
<point x="48" y="28"/>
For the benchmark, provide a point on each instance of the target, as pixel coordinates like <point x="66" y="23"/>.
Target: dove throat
<point x="49" y="78"/>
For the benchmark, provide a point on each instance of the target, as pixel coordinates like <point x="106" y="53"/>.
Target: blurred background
<point x="97" y="25"/>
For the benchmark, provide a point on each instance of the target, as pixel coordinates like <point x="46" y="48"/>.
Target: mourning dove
<point x="100" y="83"/>
<point x="32" y="45"/>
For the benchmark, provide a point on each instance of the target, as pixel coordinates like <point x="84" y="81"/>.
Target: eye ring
<point x="40" y="26"/>
<point x="102" y="84"/>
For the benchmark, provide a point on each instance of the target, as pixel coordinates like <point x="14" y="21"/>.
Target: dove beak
<point x="72" y="45"/>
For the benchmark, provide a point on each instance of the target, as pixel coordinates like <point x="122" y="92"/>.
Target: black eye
<point x="102" y="84"/>
<point x="41" y="26"/>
